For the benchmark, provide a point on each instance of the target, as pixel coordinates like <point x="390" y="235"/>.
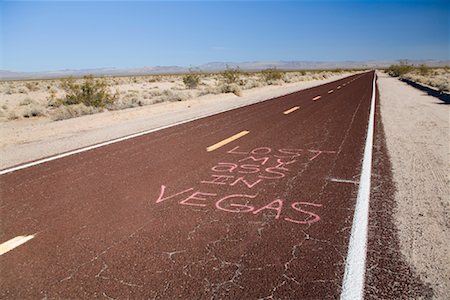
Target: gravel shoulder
<point x="417" y="137"/>
<point x="26" y="140"/>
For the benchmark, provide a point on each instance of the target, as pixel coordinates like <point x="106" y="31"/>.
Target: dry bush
<point x="156" y="78"/>
<point x="232" y="76"/>
<point x="52" y="100"/>
<point x="33" y="111"/>
<point x="168" y="95"/>
<point x="444" y="87"/>
<point x="90" y="92"/>
<point x="72" y="111"/>
<point x="294" y="76"/>
<point x="22" y="90"/>
<point x="231" y="88"/>
<point x="191" y="80"/>
<point x="320" y="76"/>
<point x="272" y="75"/>
<point x="424" y="70"/>
<point x="399" y="70"/>
<point x="252" y="83"/>
<point x="32" y="86"/>
<point x="209" y="90"/>
<point x="126" y="100"/>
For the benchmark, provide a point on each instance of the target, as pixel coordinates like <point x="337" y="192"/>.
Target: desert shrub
<point x="154" y="78"/>
<point x="399" y="70"/>
<point x="128" y="101"/>
<point x="231" y="76"/>
<point x="209" y="90"/>
<point x="271" y="75"/>
<point x="33" y="111"/>
<point x="293" y="76"/>
<point x="424" y="70"/>
<point x="90" y="92"/>
<point x="72" y="111"/>
<point x="32" y="86"/>
<point x="133" y="80"/>
<point x="52" y="100"/>
<point x="232" y="88"/>
<point x="22" y="90"/>
<point x="251" y="83"/>
<point x="444" y="87"/>
<point x="191" y="80"/>
<point x="168" y="95"/>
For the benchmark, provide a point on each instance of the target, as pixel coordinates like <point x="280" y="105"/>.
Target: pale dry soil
<point x="417" y="136"/>
<point x="23" y="140"/>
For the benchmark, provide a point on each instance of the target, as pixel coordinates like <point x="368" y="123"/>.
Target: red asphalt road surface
<point x="267" y="215"/>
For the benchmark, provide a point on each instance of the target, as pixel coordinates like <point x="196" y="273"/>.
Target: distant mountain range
<point x="215" y="67"/>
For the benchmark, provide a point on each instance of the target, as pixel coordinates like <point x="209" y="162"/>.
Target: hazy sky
<point x="38" y="36"/>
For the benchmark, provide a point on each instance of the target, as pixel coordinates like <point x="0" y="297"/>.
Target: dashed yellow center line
<point x="330" y="91"/>
<point x="291" y="110"/>
<point x="317" y="98"/>
<point x="227" y="141"/>
<point x="14" y="243"/>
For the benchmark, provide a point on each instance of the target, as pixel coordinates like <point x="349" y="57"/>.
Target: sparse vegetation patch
<point x="90" y="92"/>
<point x="272" y="75"/>
<point x="74" y="97"/>
<point x="191" y="80"/>
<point x="434" y="77"/>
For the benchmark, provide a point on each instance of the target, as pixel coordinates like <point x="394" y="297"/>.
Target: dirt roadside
<point x="417" y="132"/>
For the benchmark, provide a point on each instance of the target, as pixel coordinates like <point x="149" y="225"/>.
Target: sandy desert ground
<point x="417" y="137"/>
<point x="45" y="98"/>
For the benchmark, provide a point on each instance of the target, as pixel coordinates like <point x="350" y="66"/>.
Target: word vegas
<point x="251" y="169"/>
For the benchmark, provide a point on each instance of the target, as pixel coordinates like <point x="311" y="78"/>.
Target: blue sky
<point x="37" y="36"/>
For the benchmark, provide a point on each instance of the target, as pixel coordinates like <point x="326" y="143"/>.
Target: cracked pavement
<point x="158" y="217"/>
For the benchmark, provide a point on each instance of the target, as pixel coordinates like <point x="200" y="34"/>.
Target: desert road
<point x="253" y="203"/>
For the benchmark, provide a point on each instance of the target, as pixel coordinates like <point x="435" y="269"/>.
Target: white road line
<point x="355" y="263"/>
<point x="14" y="243"/>
<point x="343" y="180"/>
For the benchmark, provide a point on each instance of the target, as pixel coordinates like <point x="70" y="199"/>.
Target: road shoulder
<point x="416" y="127"/>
